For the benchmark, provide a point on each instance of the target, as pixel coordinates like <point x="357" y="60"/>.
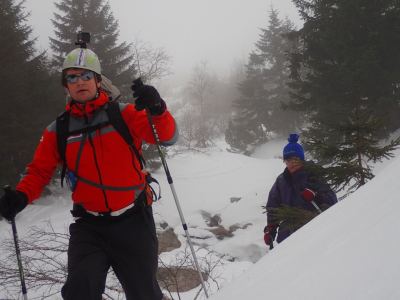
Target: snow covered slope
<point x="351" y="251"/>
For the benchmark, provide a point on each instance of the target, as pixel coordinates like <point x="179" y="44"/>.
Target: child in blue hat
<point x="293" y="149"/>
<point x="294" y="187"/>
<point x="292" y="153"/>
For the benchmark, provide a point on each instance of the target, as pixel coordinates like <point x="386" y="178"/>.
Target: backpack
<point x="115" y="119"/>
<point x="109" y="88"/>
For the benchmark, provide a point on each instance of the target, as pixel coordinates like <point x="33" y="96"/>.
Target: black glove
<point x="12" y="202"/>
<point x="270" y="234"/>
<point x="147" y="96"/>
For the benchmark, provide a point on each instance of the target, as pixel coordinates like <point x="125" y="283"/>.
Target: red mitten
<point x="270" y="233"/>
<point x="308" y="195"/>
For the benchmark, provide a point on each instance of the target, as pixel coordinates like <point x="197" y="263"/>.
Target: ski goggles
<point x="85" y="76"/>
<point x="291" y="159"/>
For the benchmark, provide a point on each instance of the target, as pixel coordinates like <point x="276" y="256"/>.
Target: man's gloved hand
<point x="270" y="233"/>
<point x="148" y="96"/>
<point x="308" y="195"/>
<point x="12" y="202"/>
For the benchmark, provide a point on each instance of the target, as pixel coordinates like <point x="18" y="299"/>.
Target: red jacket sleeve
<point x="139" y="125"/>
<point x="39" y="172"/>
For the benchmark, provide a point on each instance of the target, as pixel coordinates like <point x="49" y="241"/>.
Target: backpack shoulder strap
<point x="62" y="129"/>
<point x="116" y="120"/>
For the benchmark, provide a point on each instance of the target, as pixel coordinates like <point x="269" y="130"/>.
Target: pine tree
<point x="351" y="157"/>
<point x="350" y="168"/>
<point x="343" y="44"/>
<point x="95" y="17"/>
<point x="117" y="61"/>
<point x="30" y="94"/>
<point x="291" y="218"/>
<point x="258" y="110"/>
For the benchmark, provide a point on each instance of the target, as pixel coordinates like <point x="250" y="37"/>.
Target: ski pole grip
<point x="7" y="189"/>
<point x="137" y="83"/>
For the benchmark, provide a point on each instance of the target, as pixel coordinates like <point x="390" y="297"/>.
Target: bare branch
<point x="44" y="258"/>
<point x="152" y="63"/>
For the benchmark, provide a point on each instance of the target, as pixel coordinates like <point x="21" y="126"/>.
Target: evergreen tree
<point x="343" y="44"/>
<point x="258" y="110"/>
<point x="95" y="17"/>
<point x="292" y="218"/>
<point x="117" y="60"/>
<point x="350" y="167"/>
<point x="29" y="93"/>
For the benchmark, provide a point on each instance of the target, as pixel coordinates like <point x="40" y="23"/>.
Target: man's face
<point x="82" y="91"/>
<point x="293" y="164"/>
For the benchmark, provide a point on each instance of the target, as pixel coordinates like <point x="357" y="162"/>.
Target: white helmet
<point x="82" y="58"/>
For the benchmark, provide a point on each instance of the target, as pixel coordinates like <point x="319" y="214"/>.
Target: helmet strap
<point x="98" y="89"/>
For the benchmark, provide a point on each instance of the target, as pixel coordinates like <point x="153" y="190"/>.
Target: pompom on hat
<point x="293" y="149"/>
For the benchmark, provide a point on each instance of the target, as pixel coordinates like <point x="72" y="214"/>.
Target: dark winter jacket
<point x="287" y="190"/>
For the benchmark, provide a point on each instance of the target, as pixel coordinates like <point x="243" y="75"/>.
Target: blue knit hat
<point x="293" y="149"/>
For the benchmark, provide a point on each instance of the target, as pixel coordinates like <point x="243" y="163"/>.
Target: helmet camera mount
<point x="82" y="39"/>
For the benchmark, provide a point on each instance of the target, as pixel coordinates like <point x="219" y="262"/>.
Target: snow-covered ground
<point x="348" y="252"/>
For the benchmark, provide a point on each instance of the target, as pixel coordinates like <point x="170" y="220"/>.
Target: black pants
<point x="127" y="243"/>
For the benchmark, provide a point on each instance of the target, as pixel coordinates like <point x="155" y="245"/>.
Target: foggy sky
<point x="218" y="31"/>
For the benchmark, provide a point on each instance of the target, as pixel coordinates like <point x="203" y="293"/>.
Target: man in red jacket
<point x="114" y="223"/>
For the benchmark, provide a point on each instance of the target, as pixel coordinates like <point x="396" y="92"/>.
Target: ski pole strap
<point x="149" y="180"/>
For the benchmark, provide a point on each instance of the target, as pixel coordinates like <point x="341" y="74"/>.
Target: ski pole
<point x="138" y="83"/>
<point x="316" y="206"/>
<point x="7" y="189"/>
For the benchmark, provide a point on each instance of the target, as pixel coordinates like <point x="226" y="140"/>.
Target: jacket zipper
<point x="95" y="161"/>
